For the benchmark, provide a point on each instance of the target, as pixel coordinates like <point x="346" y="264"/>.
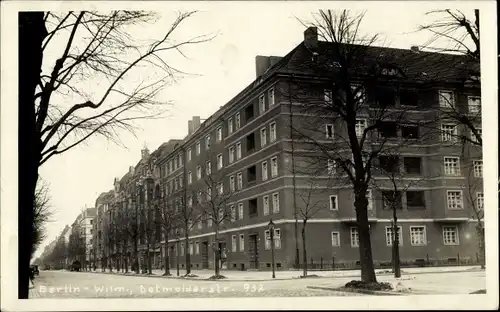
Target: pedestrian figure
<point x="32" y="277"/>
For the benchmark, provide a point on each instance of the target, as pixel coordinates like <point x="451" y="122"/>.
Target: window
<point x="175" y="163"/>
<point x="209" y="193"/>
<point x="265" y="203"/>
<point x="389" y="235"/>
<point x="276" y="202"/>
<point x="198" y="148"/>
<point x="180" y="160"/>
<point x="412" y="165"/>
<point x="250" y="143"/>
<point x="238" y="121"/>
<point x="272" y="132"/>
<point x="171" y="166"/>
<point x="263" y="137"/>
<point x="242" y="242"/>
<point x="270" y="96"/>
<point x="389" y="163"/>
<point x="335" y="239"/>
<point x="189" y="154"/>
<point x="328" y="96"/>
<point x="454" y="200"/>
<point x="354" y="237"/>
<point x="480" y="200"/>
<point x="449" y="133"/>
<point x="452" y="166"/>
<point x="415" y="200"/>
<point x="233" y="243"/>
<point x="474" y="137"/>
<point x="360" y="127"/>
<point x="446" y="99"/>
<point x="369" y="198"/>
<point x="209" y="222"/>
<point x="208" y="167"/>
<point x="220" y="188"/>
<point x="232" y="184"/>
<point x="238" y="150"/>
<point x="249" y="113"/>
<point x="333" y="202"/>
<point x="240" y="180"/>
<point x="388" y="129"/>
<point x="277" y="238"/>
<point x="197" y="249"/>
<point x="190" y="177"/>
<point x="181" y="178"/>
<point x="240" y="211"/>
<point x="191" y="247"/>
<point x="409" y="132"/>
<point x="408" y="98"/>
<point x="220" y="162"/>
<point x="478" y="168"/>
<point x="474" y="104"/>
<point x="418" y="236"/>
<point x="231" y="154"/>
<point x="252" y="207"/>
<point x="450" y="235"/>
<point x="198" y="172"/>
<point x="274" y="167"/>
<point x="264" y="171"/>
<point x="219" y="134"/>
<point x="182" y="249"/>
<point x="329" y="131"/>
<point x="230" y="125"/>
<point x="267" y="238"/>
<point x="251" y="174"/>
<point x="176" y="183"/>
<point x="233" y="213"/>
<point x="392" y="200"/>
<point x="199" y="224"/>
<point x="207" y="141"/>
<point x="359" y="94"/>
<point x="332" y="166"/>
<point x="262" y="103"/>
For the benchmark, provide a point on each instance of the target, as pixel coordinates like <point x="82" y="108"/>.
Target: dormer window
<point x="389" y="71"/>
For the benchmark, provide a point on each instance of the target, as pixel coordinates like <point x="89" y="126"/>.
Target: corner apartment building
<point x="249" y="147"/>
<point x="248" y="142"/>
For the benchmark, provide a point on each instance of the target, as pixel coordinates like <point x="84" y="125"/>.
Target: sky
<point x="220" y="69"/>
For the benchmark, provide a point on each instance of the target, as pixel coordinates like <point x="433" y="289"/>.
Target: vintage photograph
<point x="256" y="152"/>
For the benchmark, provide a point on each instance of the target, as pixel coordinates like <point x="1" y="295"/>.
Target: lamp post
<point x="178" y="251"/>
<point x="271" y="236"/>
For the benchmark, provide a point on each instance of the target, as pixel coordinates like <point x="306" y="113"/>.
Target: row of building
<point x="246" y="159"/>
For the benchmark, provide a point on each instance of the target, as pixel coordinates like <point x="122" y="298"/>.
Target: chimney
<point x="196" y="123"/>
<point x="190" y="127"/>
<point x="415" y="49"/>
<point x="311" y="38"/>
<point x="262" y="63"/>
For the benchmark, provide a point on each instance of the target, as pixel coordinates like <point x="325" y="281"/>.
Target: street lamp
<point x="178" y="251"/>
<point x="271" y="236"/>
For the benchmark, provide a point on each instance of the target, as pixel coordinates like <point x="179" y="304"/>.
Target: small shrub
<point x="190" y="275"/>
<point x="217" y="277"/>
<point x="368" y="286"/>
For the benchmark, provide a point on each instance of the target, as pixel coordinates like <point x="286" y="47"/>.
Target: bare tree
<point x="212" y="200"/>
<point x="356" y="97"/>
<point x="97" y="50"/>
<point x="460" y="32"/>
<point x="43" y="213"/>
<point x="169" y="219"/>
<point x="309" y="206"/>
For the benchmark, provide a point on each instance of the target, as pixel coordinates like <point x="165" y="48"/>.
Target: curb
<point x="359" y="291"/>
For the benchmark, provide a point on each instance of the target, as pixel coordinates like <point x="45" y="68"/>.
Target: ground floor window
<point x="354" y="237"/>
<point x="450" y="235"/>
<point x="335" y="239"/>
<point x="418" y="236"/>
<point x="389" y="235"/>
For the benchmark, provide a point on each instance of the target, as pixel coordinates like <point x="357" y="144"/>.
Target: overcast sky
<point x="224" y="67"/>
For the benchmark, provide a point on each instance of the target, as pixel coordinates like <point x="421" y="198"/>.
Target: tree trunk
<point x="217" y="254"/>
<point x="304" y="249"/>
<point x="188" y="256"/>
<point x="148" y="257"/>
<point x="167" y="257"/>
<point x="32" y="32"/>
<point x="365" y="249"/>
<point x="481" y="244"/>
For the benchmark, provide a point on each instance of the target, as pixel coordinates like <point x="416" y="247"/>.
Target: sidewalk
<point x="33" y="292"/>
<point x="295" y="274"/>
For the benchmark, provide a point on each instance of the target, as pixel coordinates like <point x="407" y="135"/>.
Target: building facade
<point x="247" y="156"/>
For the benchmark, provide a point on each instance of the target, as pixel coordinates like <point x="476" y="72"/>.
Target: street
<point x="64" y="284"/>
